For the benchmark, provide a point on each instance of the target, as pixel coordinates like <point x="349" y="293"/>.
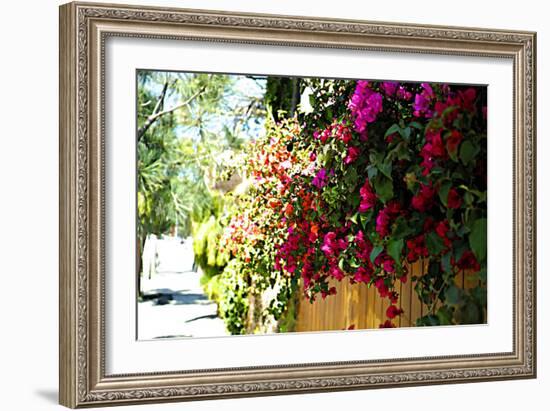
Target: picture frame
<point x="84" y="30"/>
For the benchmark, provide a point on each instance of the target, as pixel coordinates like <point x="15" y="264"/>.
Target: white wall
<point x="28" y="204"/>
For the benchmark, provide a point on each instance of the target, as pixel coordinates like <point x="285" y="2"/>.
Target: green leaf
<point x="372" y="172"/>
<point x="434" y="243"/>
<point x="445" y="316"/>
<point x="365" y="218"/>
<point x="483" y="274"/>
<point x="375" y="157"/>
<point x="405" y="133"/>
<point x="375" y="252"/>
<point x="341" y="264"/>
<point x="392" y="130"/>
<point x="470" y="314"/>
<point x="386" y="168"/>
<point x="444" y="191"/>
<point x="453" y="295"/>
<point x="402" y="228"/>
<point x="428" y="320"/>
<point x="394" y="249"/>
<point x="446" y="263"/>
<point x="467" y="152"/>
<point x="403" y="152"/>
<point x="478" y="238"/>
<point x="479" y="294"/>
<point x="383" y="187"/>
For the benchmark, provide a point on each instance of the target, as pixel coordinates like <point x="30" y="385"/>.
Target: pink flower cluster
<point x="423" y="100"/>
<point x="423" y="200"/>
<point x="336" y="130"/>
<point x="432" y="150"/>
<point x="365" y="105"/>
<point x="321" y="178"/>
<point x="352" y="155"/>
<point x="392" y="88"/>
<point x="417" y="248"/>
<point x="385" y="217"/>
<point x="368" y="197"/>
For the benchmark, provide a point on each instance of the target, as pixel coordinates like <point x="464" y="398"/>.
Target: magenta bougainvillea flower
<point x="423" y="200"/>
<point x="352" y="154"/>
<point x="453" y="199"/>
<point x="386" y="216"/>
<point x="432" y="150"/>
<point x="389" y="87"/>
<point x="320" y="179"/>
<point x="368" y="198"/>
<point x="453" y="141"/>
<point x="417" y="248"/>
<point x="365" y="105"/>
<point x="468" y="261"/>
<point x="371" y="186"/>
<point x="423" y="100"/>
<point x="403" y="93"/>
<point x="393" y="311"/>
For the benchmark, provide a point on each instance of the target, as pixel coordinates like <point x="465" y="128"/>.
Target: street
<point x="174" y="303"/>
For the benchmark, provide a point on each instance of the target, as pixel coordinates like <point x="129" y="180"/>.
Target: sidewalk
<point x="174" y="303"/>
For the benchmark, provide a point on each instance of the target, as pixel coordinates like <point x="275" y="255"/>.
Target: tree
<point x="188" y="124"/>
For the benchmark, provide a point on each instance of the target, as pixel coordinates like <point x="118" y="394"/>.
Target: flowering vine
<point x="378" y="175"/>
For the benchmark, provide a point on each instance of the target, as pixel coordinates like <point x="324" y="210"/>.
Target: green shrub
<point x="206" y="247"/>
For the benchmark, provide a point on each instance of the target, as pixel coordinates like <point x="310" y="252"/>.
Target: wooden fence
<point x="361" y="307"/>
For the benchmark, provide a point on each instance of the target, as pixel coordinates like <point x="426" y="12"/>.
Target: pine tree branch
<point x="158" y="114"/>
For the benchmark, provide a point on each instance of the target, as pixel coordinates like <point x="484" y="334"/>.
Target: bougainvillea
<point x="259" y="227"/>
<point x="399" y="176"/>
<point x="378" y="175"/>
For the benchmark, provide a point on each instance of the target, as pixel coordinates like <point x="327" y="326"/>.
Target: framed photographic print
<point x="260" y="204"/>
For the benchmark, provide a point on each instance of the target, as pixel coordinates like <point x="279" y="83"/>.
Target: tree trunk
<point x="139" y="261"/>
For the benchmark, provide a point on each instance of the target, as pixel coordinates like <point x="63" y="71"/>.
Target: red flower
<point x="383" y="220"/>
<point x="453" y="141"/>
<point x="468" y="261"/>
<point x="432" y="150"/>
<point x="393" y="311"/>
<point x="383" y="223"/>
<point x="362" y="275"/>
<point x="450" y="115"/>
<point x="343" y="133"/>
<point x="423" y="200"/>
<point x="468" y="98"/>
<point x="453" y="199"/>
<point x="388" y="265"/>
<point x="387" y="324"/>
<point x="417" y="248"/>
<point x="289" y="209"/>
<point x="381" y="287"/>
<point x="336" y="273"/>
<point x="442" y="229"/>
<point x="331" y="291"/>
<point x="368" y="198"/>
<point x="353" y="153"/>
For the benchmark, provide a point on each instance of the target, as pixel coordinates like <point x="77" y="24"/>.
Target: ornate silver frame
<point x="83" y="30"/>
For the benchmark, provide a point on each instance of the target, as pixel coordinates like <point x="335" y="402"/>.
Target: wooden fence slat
<point x="416" y="304"/>
<point x="405" y="302"/>
<point x="398" y="304"/>
<point x="371" y="304"/>
<point x="361" y="306"/>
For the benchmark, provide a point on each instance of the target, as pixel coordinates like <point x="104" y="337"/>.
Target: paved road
<point x="175" y="304"/>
